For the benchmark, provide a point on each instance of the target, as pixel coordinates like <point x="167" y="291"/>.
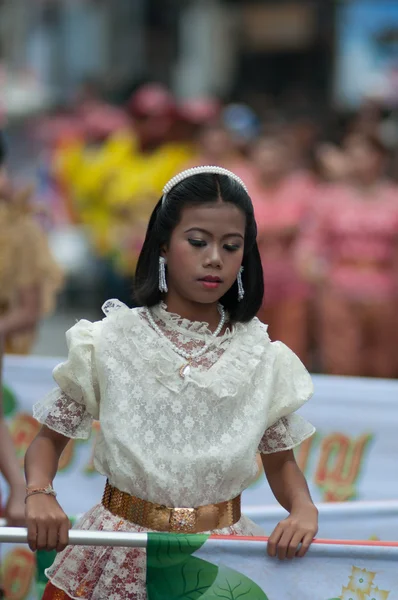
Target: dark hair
<point x="193" y="191"/>
<point x="2" y="149"/>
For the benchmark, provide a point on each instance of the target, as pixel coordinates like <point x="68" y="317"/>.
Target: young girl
<point x="187" y="388"/>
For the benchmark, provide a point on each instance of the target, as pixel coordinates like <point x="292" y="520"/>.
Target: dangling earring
<point x="241" y="291"/>
<point x="162" y="275"/>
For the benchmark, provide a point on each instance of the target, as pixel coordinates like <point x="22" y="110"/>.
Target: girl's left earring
<point x="162" y="275"/>
<point x="241" y="290"/>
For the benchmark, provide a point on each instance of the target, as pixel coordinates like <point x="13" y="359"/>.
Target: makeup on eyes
<point x="203" y="243"/>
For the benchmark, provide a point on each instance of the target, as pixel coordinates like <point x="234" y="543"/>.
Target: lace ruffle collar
<point x="175" y="322"/>
<point x="171" y="321"/>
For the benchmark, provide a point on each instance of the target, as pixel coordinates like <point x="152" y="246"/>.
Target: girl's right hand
<point x="48" y="525"/>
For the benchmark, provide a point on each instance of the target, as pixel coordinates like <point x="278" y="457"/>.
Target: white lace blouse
<point x="177" y="441"/>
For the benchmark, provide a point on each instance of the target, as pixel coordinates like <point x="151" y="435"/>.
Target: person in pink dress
<point x="282" y="200"/>
<point x="352" y="252"/>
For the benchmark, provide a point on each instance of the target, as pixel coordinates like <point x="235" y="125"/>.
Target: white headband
<point x="197" y="171"/>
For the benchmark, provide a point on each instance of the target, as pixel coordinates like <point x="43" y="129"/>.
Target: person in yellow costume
<point x="131" y="196"/>
<point x="84" y="170"/>
<point x="137" y="184"/>
<point x="116" y="181"/>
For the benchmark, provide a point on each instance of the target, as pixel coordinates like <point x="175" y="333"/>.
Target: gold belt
<point x="175" y="520"/>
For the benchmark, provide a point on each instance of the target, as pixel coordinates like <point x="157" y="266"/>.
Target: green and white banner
<point x="194" y="567"/>
<point x="187" y="567"/>
<point x="200" y="567"/>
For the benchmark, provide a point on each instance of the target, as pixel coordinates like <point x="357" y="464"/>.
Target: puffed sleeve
<point x="71" y="408"/>
<point x="291" y="388"/>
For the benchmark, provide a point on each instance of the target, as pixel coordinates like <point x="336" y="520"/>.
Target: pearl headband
<point x="197" y="171"/>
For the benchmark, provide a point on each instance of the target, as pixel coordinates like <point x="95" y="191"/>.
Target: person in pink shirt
<point x="282" y="201"/>
<point x="352" y="252"/>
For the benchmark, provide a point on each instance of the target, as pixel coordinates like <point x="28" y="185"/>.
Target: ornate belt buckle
<point x="183" y="520"/>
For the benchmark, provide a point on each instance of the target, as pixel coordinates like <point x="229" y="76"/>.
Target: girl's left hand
<point x="300" y="527"/>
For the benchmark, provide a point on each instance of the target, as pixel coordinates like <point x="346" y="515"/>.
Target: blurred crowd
<point x="324" y="195"/>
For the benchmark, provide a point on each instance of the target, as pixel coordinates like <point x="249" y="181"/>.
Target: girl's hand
<point x="300" y="527"/>
<point x="48" y="525"/>
<point x="15" y="507"/>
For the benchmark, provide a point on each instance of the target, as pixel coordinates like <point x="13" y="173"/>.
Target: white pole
<point x="19" y="535"/>
<point x="322" y="548"/>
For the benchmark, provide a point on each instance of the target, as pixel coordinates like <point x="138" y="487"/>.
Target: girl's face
<point x="205" y="252"/>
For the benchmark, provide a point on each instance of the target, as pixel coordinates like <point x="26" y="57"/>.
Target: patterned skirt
<point x="98" y="573"/>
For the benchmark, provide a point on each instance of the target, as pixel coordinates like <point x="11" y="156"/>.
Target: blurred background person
<point x="30" y="278"/>
<point x="354" y="254"/>
<point x="114" y="175"/>
<point x="282" y="203"/>
<point x="14" y="511"/>
<point x="29" y="281"/>
<point x="301" y="134"/>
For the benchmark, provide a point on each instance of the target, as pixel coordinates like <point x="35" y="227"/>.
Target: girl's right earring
<point x="241" y="291"/>
<point x="162" y="275"/>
